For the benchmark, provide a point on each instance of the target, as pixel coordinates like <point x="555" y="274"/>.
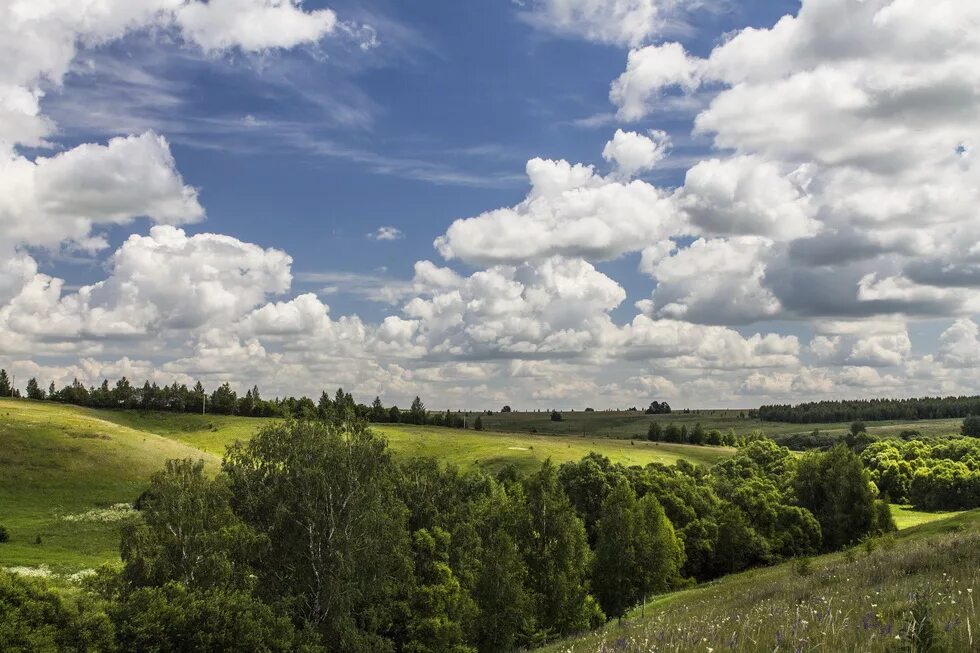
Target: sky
<point x="543" y="203"/>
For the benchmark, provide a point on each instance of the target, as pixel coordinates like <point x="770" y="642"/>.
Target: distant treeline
<point x="178" y="398"/>
<point x="872" y="410"/>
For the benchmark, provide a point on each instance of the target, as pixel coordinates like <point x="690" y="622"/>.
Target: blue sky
<point x="779" y="206"/>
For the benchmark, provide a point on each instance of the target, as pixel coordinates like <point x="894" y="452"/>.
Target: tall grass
<point x="916" y="594"/>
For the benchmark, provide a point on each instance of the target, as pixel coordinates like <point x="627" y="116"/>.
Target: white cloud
<point x="386" y="233"/>
<point x="649" y="70"/>
<point x="570" y="211"/>
<point x="633" y="152"/>
<point x="252" y="25"/>
<point x="618" y="22"/>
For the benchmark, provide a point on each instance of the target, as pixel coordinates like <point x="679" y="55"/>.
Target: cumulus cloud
<point x="570" y="211"/>
<point x="633" y="152"/>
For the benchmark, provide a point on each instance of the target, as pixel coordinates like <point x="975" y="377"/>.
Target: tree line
<point x="313" y="537"/>
<point x="872" y="410"/>
<point x="224" y="400"/>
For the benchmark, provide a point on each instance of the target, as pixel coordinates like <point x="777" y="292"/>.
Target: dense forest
<point x="931" y="474"/>
<point x="314" y="538"/>
<point x="871" y="410"/>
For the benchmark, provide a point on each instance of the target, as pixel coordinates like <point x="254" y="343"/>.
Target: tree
<point x="971" y="426"/>
<point x="34" y="391"/>
<point x="555" y="416"/>
<point x="378" y="412"/>
<point x="439" y="605"/>
<point x="505" y="409"/>
<point x="394" y="415"/>
<point x="557" y="556"/>
<point x="834" y="486"/>
<point x="324" y="496"/>
<point x="34" y="617"/>
<point x="637" y="551"/>
<point x="174" y="618"/>
<point x="656" y="432"/>
<point x="5" y="388"/>
<point x="478" y="423"/>
<point x="188" y="532"/>
<point x="417" y="413"/>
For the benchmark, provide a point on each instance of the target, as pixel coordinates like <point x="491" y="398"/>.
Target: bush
<point x="971" y="426"/>
<point x="4" y="535"/>
<point x="555" y="416"/>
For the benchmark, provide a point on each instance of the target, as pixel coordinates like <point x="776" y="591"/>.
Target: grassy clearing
<point x="210" y="433"/>
<point x="907" y="517"/>
<point x="919" y="584"/>
<point x="62" y="471"/>
<point x="622" y="424"/>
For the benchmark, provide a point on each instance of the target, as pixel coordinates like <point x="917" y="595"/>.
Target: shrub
<point x="555" y="416"/>
<point x="4" y="535"/>
<point x="971" y="426"/>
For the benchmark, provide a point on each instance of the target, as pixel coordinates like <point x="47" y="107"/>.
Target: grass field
<point x="913" y="592"/>
<point x="625" y="424"/>
<point x="62" y="469"/>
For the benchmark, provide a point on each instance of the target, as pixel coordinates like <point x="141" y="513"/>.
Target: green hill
<point x="910" y="592"/>
<point x="63" y="472"/>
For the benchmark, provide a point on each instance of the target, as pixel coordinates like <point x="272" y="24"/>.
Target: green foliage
<point x="971" y="426"/>
<point x="34" y="617"/>
<point x="930" y="474"/>
<point x="439" y="605"/>
<point x="637" y="551"/>
<point x="176" y="619"/>
<point x="557" y="556"/>
<point x="188" y="533"/>
<point x="835" y="488"/>
<point x="324" y="496"/>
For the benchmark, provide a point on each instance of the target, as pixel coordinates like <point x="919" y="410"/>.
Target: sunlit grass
<point x="883" y="597"/>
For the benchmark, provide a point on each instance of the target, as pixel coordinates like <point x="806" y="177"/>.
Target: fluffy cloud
<point x="50" y="200"/>
<point x="252" y="25"/>
<point x="851" y="151"/>
<point x="386" y="233"/>
<point x="619" y="22"/>
<point x="633" y="153"/>
<point x="570" y="211"/>
<point x="164" y="281"/>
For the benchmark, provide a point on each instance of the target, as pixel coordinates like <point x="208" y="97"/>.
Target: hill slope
<point x="62" y="469"/>
<point x="918" y="586"/>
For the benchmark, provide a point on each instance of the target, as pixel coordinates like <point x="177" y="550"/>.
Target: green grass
<point x="58" y="462"/>
<point x="491" y="451"/>
<point x="907" y="517"/>
<point x="858" y="600"/>
<point x="623" y="424"/>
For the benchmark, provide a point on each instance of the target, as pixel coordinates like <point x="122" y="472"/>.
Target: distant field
<point x="852" y="601"/>
<point x="624" y="424"/>
<point x="491" y="451"/>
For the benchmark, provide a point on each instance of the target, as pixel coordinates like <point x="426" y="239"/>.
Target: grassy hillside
<point x="622" y="424"/>
<point x="62" y="469"/>
<point x="918" y="586"/>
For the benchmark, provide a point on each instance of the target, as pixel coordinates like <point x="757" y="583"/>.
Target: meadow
<point x="914" y="591"/>
<point x="635" y="424"/>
